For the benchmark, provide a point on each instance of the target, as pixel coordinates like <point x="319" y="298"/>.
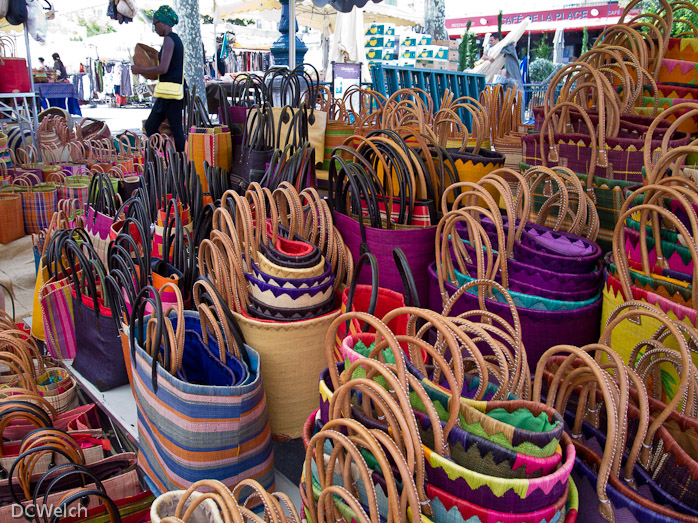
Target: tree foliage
<point x="542" y="49"/>
<point x="95" y="28"/>
<point x="685" y="20"/>
<point x="585" y="41"/>
<point x="240" y="21"/>
<point x="147" y="15"/>
<point x="540" y="69"/>
<point x="467" y="50"/>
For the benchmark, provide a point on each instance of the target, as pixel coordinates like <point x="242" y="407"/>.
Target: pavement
<point x="17" y="274"/>
<point x="118" y="119"/>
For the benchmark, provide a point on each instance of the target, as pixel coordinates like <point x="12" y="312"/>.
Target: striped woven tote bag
<point x="202" y="414"/>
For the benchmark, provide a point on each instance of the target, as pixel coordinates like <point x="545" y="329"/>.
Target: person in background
<point x="511" y="71"/>
<point x="510" y="75"/>
<point x="58" y="66"/>
<point x="170" y="71"/>
<point x="42" y="64"/>
<point x="220" y="61"/>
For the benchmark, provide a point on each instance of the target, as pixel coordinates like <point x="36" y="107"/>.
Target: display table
<point x="213" y="94"/>
<point x="56" y="94"/>
<point x="119" y="404"/>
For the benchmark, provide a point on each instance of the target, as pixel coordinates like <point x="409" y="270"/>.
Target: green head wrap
<point x="166" y="15"/>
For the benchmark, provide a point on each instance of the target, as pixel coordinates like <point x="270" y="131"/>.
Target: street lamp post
<point x="288" y="46"/>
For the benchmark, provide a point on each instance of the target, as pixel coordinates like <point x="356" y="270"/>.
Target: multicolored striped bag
<point x="621" y="286"/>
<point x="57" y="312"/>
<point x="336" y="133"/>
<point x="38" y="203"/>
<point x="213" y="145"/>
<point x="207" y="418"/>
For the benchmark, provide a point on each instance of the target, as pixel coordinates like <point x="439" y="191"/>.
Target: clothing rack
<point x="243" y="60"/>
<point x="109" y="77"/>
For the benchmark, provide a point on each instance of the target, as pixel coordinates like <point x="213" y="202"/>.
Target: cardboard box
<point x="450" y="66"/>
<point x="375" y="41"/>
<point x="424" y="39"/>
<point x="425" y="52"/>
<point x="441" y="53"/>
<point x="454" y="44"/>
<point x="453" y="55"/>
<point x="390" y="41"/>
<point x="374" y="54"/>
<point x="434" y="52"/>
<point x="407" y="62"/>
<point x="390" y="62"/>
<point x="426" y="64"/>
<point x="409" y="40"/>
<point x="389" y="54"/>
<point x="380" y="29"/>
<point x="409" y="54"/>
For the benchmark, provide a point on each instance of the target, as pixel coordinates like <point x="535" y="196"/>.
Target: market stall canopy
<point x="343" y="6"/>
<point x="309" y="14"/>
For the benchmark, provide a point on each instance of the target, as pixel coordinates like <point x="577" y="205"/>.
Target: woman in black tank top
<point x="170" y="69"/>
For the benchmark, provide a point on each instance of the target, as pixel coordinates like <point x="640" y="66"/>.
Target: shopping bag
<point x="212" y="145"/>
<point x="229" y="407"/>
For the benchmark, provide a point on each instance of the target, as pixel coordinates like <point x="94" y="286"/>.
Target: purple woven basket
<point x="540" y="246"/>
<point x="418" y="245"/>
<point x="532" y="279"/>
<point x="530" y="282"/>
<point x="540" y="329"/>
<point x="625" y="155"/>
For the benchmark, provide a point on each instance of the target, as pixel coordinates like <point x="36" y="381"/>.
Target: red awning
<point x="541" y="27"/>
<point x="572" y="18"/>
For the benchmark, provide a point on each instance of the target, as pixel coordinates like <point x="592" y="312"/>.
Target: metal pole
<point x="292" y="34"/>
<point x="528" y="52"/>
<point x="215" y="41"/>
<point x="34" y="117"/>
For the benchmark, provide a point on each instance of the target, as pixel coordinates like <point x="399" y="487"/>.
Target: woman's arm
<point x="165" y="59"/>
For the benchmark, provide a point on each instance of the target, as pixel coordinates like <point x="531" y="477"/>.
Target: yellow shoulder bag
<point x="169" y="90"/>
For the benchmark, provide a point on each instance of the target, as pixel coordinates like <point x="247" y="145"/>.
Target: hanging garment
<point x="126" y="81"/>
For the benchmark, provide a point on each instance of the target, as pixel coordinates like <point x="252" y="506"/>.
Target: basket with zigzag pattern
<point x="678" y="72"/>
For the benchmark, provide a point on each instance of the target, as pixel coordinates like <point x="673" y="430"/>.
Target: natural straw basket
<point x="146" y="56"/>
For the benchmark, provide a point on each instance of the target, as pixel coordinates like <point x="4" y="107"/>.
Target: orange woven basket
<point x="11" y="218"/>
<point x="146" y="56"/>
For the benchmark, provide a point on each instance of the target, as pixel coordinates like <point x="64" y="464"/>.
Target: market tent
<point x="558" y="45"/>
<point x="311" y="15"/>
<point x="347" y="44"/>
<point x="322" y="18"/>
